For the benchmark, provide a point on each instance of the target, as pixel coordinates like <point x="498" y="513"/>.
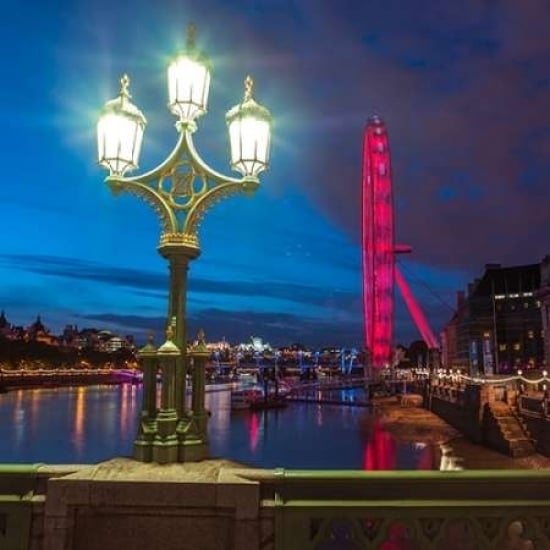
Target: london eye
<point x="380" y="272"/>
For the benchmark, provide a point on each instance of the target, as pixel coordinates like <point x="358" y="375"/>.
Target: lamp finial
<point x="248" y="88"/>
<point x="191" y="36"/>
<point x="124" y="85"/>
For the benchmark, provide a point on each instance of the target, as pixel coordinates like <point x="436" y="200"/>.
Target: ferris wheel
<point x="380" y="273"/>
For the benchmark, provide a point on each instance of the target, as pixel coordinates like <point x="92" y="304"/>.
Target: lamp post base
<point x="143" y="444"/>
<point x="165" y="451"/>
<point x="143" y="451"/>
<point x="193" y="451"/>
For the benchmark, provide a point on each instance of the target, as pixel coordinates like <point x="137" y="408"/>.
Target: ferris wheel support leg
<point x="415" y="311"/>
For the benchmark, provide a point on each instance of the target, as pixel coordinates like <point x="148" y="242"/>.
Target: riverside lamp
<point x="180" y="190"/>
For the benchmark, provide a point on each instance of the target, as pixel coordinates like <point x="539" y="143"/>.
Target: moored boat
<point x="259" y="397"/>
<point x="271" y="402"/>
<point x="246" y="397"/>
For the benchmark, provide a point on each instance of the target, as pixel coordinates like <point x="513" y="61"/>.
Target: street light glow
<point x="249" y="125"/>
<point x="120" y="133"/>
<point x="188" y="87"/>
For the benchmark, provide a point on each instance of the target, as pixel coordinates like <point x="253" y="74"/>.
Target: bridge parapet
<point x="217" y="505"/>
<point x="416" y="510"/>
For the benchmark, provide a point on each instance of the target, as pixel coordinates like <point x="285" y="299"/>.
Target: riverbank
<point x="409" y="423"/>
<point x="13" y="380"/>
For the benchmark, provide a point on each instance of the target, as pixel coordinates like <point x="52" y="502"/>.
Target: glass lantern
<point x="120" y="133"/>
<point x="249" y="125"/>
<point x="189" y="82"/>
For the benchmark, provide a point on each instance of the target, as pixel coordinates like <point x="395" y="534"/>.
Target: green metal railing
<point x="345" y="510"/>
<point x="411" y="510"/>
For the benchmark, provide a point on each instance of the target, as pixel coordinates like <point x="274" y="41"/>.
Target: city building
<point x="498" y="326"/>
<point x="449" y="336"/>
<point x="71" y="337"/>
<point x="256" y="344"/>
<point x="37" y="332"/>
<point x="544" y="296"/>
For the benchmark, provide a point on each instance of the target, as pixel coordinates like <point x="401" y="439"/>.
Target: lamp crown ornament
<point x="124" y="85"/>
<point x="248" y="88"/>
<point x="169" y="348"/>
<point x="191" y="36"/>
<point x="122" y="103"/>
<point x="149" y="349"/>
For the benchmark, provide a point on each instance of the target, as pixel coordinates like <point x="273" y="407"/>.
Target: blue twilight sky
<point x="464" y="88"/>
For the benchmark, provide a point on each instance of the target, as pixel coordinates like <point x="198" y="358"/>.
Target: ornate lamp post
<point x="181" y="189"/>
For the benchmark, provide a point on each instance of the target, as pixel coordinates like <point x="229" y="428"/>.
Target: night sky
<point x="464" y="88"/>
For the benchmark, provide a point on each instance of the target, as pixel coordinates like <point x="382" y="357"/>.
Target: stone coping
<point x="126" y="469"/>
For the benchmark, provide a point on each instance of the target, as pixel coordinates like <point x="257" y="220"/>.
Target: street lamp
<point x="181" y="189"/>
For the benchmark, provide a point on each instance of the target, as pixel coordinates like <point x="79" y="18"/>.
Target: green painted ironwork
<point x="180" y="190"/>
<point x="411" y="510"/>
<point x="333" y="510"/>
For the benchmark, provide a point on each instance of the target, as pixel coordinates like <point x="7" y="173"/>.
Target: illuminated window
<point x="530" y="334"/>
<point x="502" y="347"/>
<point x="538" y="303"/>
<point x="525" y="305"/>
<point x="517" y="346"/>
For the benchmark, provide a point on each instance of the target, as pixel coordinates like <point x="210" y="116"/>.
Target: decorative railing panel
<point x="412" y="510"/>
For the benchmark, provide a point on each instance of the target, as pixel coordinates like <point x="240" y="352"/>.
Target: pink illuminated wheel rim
<point x="378" y="243"/>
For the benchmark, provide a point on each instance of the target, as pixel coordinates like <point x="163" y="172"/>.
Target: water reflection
<point x="80" y="411"/>
<point x="254" y="431"/>
<point x="383" y="452"/>
<point x="94" y="423"/>
<point x="18" y="419"/>
<point x="380" y="452"/>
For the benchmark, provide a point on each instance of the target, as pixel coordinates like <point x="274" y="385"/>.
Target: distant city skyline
<point x="464" y="90"/>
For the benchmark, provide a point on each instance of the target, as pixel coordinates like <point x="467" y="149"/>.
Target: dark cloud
<point x="465" y="90"/>
<point x="148" y="283"/>
<point x="237" y="326"/>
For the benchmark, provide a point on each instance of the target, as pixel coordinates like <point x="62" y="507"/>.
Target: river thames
<point x="89" y="424"/>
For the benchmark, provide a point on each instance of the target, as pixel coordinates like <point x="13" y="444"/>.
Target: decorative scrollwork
<point x="206" y="201"/>
<point x="183" y="185"/>
<point x="181" y="190"/>
<point x="149" y="196"/>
